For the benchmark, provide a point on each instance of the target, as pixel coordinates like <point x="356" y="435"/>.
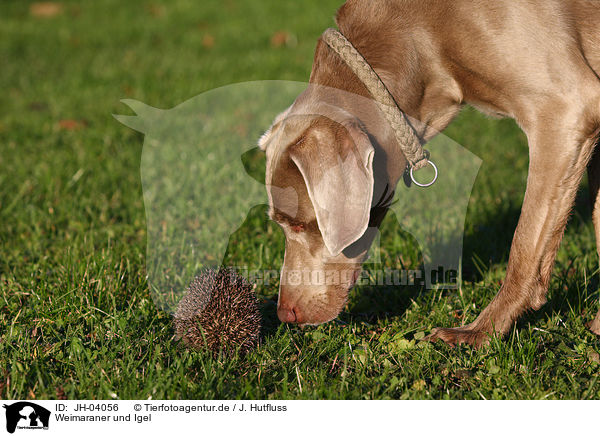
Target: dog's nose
<point x="286" y="314"/>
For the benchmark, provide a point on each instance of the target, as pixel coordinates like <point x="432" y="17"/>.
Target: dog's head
<point x="321" y="187"/>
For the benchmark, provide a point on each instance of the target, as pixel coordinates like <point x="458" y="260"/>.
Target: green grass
<point x="76" y="317"/>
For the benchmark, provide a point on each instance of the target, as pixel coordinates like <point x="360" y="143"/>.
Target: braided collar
<point x="408" y="140"/>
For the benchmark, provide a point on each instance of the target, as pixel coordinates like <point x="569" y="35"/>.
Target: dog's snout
<point x="287" y="314"/>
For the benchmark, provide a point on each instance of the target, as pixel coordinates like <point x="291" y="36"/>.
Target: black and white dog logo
<point x="26" y="415"/>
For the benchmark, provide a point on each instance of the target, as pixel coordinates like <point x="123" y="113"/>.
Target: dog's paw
<point x="460" y="335"/>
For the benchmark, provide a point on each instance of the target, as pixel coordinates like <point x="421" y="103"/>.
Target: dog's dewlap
<point x="219" y="313"/>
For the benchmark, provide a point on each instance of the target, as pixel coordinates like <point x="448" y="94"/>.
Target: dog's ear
<point x="336" y="161"/>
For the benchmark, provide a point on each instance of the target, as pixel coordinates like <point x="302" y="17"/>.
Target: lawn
<point x="77" y="317"/>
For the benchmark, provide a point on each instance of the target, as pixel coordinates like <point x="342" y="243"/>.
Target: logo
<point x="205" y="184"/>
<point x="26" y="415"/>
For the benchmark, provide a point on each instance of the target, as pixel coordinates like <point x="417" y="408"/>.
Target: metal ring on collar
<point x="425" y="185"/>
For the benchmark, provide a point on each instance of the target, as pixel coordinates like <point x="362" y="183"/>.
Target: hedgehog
<point x="219" y="313"/>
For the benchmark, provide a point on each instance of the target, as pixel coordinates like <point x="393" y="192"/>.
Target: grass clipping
<point x="219" y="313"/>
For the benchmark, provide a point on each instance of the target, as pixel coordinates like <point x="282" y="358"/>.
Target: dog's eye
<point x="298" y="228"/>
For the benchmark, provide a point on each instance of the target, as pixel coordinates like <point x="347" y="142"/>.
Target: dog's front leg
<point x="594" y="184"/>
<point x="559" y="152"/>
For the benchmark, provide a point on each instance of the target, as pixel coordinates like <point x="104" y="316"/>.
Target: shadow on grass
<point x="374" y="303"/>
<point x="489" y="239"/>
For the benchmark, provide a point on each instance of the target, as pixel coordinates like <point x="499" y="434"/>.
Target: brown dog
<point x="537" y="61"/>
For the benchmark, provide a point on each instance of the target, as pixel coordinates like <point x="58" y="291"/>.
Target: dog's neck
<point x="330" y="71"/>
<point x="386" y="51"/>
